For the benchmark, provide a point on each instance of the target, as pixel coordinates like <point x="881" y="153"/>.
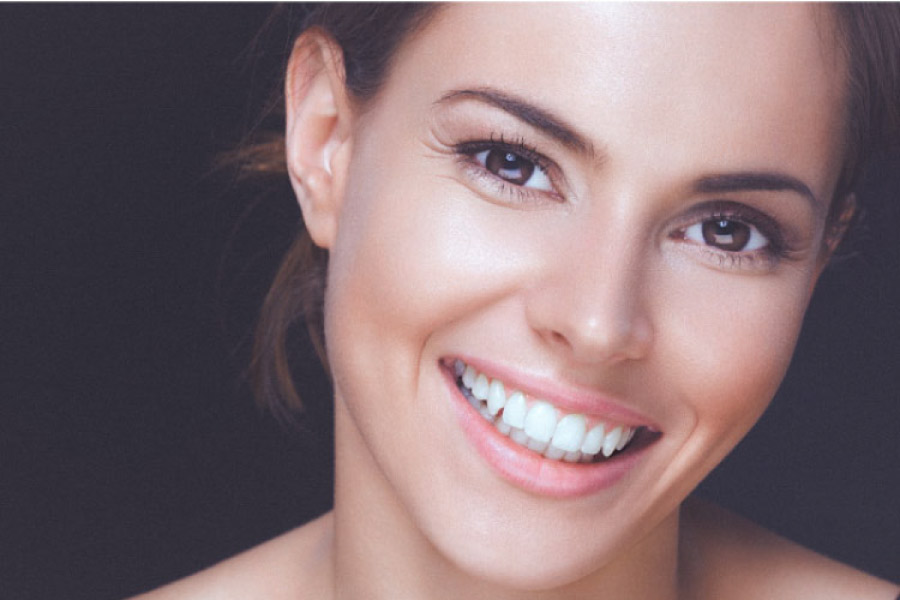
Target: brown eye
<point x="509" y="166"/>
<point x="729" y="235"/>
<point x="515" y="169"/>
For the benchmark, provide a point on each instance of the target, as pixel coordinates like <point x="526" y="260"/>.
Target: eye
<point x="730" y="235"/>
<point x="514" y="168"/>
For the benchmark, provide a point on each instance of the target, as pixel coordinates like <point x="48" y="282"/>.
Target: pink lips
<point x="570" y="399"/>
<point x="528" y="470"/>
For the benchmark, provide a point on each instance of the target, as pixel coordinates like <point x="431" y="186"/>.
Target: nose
<point x="593" y="309"/>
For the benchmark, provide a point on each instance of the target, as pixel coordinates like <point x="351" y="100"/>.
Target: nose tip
<point x="594" y="337"/>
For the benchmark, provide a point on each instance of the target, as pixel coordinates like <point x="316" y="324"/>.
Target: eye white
<point x="756" y="241"/>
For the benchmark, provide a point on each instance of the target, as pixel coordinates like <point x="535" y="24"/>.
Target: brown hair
<point x="369" y="36"/>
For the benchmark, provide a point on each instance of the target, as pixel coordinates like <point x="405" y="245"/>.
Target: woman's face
<point x="616" y="210"/>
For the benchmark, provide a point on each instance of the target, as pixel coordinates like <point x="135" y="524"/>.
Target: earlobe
<point x="317" y="132"/>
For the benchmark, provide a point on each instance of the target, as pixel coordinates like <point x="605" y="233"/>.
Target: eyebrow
<point x="533" y="115"/>
<point x="544" y="120"/>
<point x="752" y="181"/>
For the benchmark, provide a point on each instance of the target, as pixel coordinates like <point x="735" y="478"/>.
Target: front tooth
<point x="540" y="422"/>
<point x="503" y="427"/>
<point x="480" y="389"/>
<point x="468" y="377"/>
<point x="569" y="433"/>
<point x="611" y="441"/>
<point x="514" y="411"/>
<point x="496" y="397"/>
<point x="593" y="441"/>
<point x="626" y="437"/>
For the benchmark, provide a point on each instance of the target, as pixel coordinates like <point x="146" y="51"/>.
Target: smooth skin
<point x="595" y="271"/>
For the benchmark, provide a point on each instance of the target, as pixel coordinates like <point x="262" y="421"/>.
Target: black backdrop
<point x="131" y="452"/>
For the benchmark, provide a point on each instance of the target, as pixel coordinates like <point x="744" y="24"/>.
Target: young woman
<point x="560" y="255"/>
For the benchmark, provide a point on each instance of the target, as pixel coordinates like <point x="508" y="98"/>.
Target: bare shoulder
<point x="727" y="556"/>
<point x="294" y="565"/>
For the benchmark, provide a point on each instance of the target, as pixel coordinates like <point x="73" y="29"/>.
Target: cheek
<point x="733" y="337"/>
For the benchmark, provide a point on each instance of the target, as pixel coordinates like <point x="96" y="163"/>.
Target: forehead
<point x="709" y="78"/>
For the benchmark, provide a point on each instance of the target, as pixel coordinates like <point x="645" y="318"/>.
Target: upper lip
<point x="568" y="397"/>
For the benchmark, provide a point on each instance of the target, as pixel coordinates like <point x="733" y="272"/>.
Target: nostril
<point x="559" y="338"/>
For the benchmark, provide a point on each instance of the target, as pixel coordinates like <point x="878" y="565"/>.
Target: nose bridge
<point x="590" y="302"/>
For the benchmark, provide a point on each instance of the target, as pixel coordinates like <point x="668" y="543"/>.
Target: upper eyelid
<point x="517" y="147"/>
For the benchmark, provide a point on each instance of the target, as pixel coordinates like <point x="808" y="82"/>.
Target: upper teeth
<point x="538" y="424"/>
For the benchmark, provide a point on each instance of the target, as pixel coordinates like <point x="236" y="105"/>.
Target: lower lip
<point x="529" y="470"/>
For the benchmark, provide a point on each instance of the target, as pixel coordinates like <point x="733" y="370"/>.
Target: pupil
<point x="724" y="227"/>
<point x="728" y="235"/>
<point x="509" y="166"/>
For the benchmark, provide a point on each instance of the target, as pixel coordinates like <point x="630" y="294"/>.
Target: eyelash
<point x="760" y="259"/>
<point x="467" y="151"/>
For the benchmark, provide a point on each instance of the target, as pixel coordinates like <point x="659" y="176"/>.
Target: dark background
<point x="131" y="452"/>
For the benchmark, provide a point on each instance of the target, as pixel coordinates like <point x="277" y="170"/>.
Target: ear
<point x="317" y="132"/>
<point x="839" y="220"/>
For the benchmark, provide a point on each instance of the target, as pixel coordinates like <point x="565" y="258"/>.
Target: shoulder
<point x="296" y="564"/>
<point x="727" y="556"/>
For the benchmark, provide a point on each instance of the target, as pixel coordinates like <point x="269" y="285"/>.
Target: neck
<point x="381" y="553"/>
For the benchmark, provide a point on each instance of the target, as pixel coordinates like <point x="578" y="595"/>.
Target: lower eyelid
<point x="512" y="193"/>
<point x="754" y="261"/>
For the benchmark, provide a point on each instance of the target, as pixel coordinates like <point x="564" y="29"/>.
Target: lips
<point x="538" y="441"/>
<point x="537" y="424"/>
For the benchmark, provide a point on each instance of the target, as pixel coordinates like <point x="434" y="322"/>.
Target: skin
<point x="593" y="278"/>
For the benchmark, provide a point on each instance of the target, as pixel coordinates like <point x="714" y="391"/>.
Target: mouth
<point x="542" y="446"/>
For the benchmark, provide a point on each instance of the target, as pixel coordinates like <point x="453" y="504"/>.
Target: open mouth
<point x="544" y="428"/>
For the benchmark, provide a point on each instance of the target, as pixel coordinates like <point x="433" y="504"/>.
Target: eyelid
<point x="737" y="211"/>
<point x="761" y="260"/>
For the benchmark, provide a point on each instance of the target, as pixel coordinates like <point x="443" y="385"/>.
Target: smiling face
<point x="616" y="211"/>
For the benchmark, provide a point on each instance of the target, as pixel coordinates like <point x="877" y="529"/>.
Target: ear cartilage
<point x="326" y="157"/>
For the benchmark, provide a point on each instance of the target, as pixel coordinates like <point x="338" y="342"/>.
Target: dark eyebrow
<point x="535" y="116"/>
<point x="766" y="182"/>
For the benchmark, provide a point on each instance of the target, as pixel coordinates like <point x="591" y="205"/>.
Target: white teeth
<point x="569" y="433"/>
<point x="496" y="397"/>
<point x="540" y="422"/>
<point x="554" y="453"/>
<point x="537" y="446"/>
<point x="593" y="441"/>
<point x="611" y="441"/>
<point x="480" y="389"/>
<point x="469" y="376"/>
<point x="572" y="456"/>
<point x="519" y="437"/>
<point x="626" y="437"/>
<point x="536" y="427"/>
<point x="458" y="368"/>
<point x="515" y="410"/>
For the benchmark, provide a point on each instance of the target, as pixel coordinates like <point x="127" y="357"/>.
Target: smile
<point x="549" y="439"/>
<point x="537" y="424"/>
